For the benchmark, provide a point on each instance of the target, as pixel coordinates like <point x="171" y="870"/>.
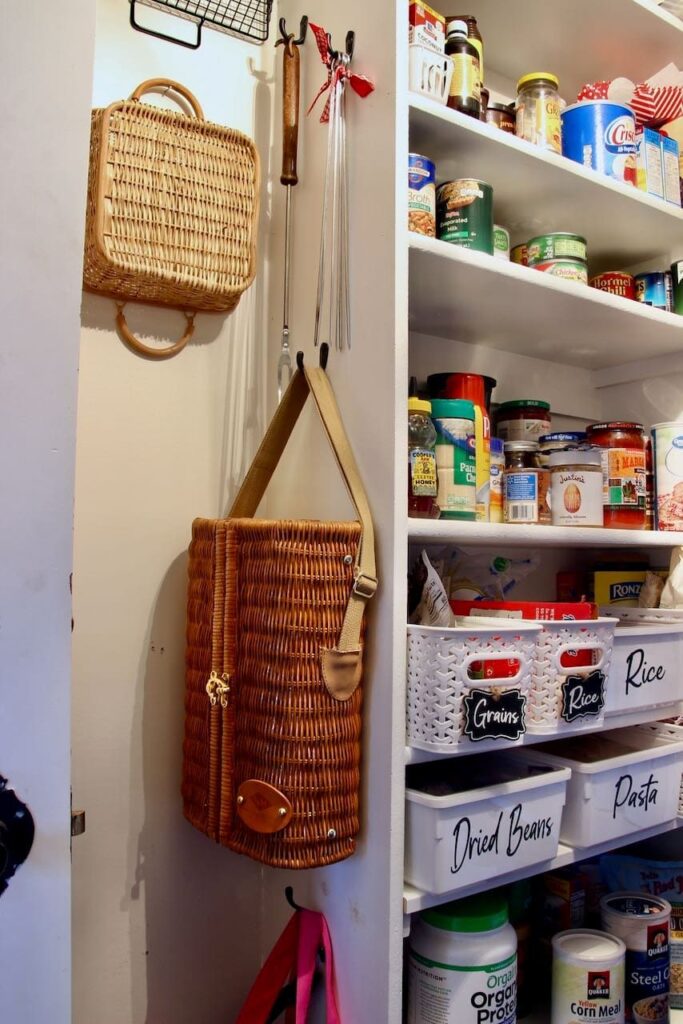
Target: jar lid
<point x="503" y="108"/>
<point x="584" y="945"/>
<point x="457" y="26"/>
<point x="419" y="405"/>
<point x="521" y="403"/>
<point x="615" y="425"/>
<point x="636" y="905"/>
<point x="572" y="436"/>
<point x="521" y="446"/>
<point x="576" y="457"/>
<point x="480" y="913"/>
<point x="453" y="408"/>
<point x="545" y="76"/>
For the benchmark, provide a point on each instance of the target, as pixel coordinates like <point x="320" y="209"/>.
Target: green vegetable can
<point x="464" y="214"/>
<point x="557" y="246"/>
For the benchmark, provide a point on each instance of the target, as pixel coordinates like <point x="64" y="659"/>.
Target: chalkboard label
<point x="583" y="696"/>
<point x="492" y="716"/>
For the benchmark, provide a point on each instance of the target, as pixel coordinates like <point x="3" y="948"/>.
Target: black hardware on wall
<point x="249" y="19"/>
<point x="17" y="830"/>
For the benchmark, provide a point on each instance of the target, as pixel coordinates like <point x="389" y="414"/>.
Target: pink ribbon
<point x="361" y="85"/>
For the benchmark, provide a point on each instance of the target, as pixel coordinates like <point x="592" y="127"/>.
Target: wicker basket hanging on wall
<point x="172" y="210"/>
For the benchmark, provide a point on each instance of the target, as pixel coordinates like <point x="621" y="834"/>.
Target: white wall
<point x="156" y="904"/>
<point x="43" y="159"/>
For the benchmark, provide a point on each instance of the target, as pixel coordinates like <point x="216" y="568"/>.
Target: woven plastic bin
<point x="445" y="666"/>
<point x="172" y="209"/>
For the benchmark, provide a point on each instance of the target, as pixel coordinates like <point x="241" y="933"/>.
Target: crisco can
<point x="421" y="195"/>
<point x="569" y="270"/>
<point x="651" y="290"/>
<point x="464" y="214"/>
<point x="557" y="246"/>
<point x="602" y="135"/>
<point x="616" y="283"/>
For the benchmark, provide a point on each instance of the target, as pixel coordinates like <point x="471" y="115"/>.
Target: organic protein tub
<point x="588" y="977"/>
<point x="421" y="195"/>
<point x="667" y="454"/>
<point x="557" y="246"/>
<point x="462" y="966"/>
<point x="602" y="135"/>
<point x="642" y="922"/>
<point x="455" y="465"/>
<point x="464" y="214"/>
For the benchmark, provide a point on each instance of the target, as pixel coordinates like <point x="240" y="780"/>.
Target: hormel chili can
<point x="602" y="135"/>
<point x="616" y="283"/>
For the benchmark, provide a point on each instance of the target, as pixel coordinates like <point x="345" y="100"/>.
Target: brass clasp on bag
<point x="218" y="688"/>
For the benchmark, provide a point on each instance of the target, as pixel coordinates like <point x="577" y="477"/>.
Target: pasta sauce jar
<point x="623" y="473"/>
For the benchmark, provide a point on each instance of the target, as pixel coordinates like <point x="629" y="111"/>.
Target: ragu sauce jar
<point x="623" y="473"/>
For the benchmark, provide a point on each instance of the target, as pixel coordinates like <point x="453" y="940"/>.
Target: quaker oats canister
<point x="642" y="922"/>
<point x="667" y="455"/>
<point x="588" y="977"/>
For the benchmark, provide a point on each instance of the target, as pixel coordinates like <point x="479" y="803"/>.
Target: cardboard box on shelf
<point x="671" y="170"/>
<point x="649" y="165"/>
<point x="426" y="26"/>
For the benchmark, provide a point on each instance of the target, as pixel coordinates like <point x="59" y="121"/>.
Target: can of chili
<point x="616" y="283"/>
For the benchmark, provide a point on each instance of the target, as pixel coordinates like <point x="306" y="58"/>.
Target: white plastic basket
<point x="440" y="677"/>
<point x="550" y="679"/>
<point x="674" y="733"/>
<point x="430" y="72"/>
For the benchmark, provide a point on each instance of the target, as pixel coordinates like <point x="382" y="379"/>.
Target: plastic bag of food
<point x="478" y="574"/>
<point x="424" y="584"/>
<point x="672" y="594"/>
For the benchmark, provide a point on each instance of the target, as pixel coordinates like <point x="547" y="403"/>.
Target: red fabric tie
<point x="361" y="85"/>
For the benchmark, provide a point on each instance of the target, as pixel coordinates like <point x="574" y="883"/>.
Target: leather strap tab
<point x="316" y="382"/>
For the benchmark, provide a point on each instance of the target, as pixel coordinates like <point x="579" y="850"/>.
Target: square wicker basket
<point x="172" y="205"/>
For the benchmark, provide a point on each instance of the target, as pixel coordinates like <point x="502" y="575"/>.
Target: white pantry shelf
<point x="415" y="900"/>
<point x="415" y="756"/>
<point x="488" y="534"/>
<point x="535" y="191"/>
<point x="458" y="292"/>
<point x="578" y="40"/>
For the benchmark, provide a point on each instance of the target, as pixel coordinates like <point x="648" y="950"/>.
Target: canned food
<point x="667" y="454"/>
<point x="616" y="283"/>
<point x="501" y="116"/>
<point x="651" y="289"/>
<point x="570" y="270"/>
<point x="669" y="289"/>
<point x="557" y="246"/>
<point x="501" y="242"/>
<point x="464" y="213"/>
<point x="421" y="195"/>
<point x="602" y="135"/>
<point x="518" y="254"/>
<point x="677" y="285"/>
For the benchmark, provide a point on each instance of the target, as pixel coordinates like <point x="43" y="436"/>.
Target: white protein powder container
<point x="463" y="964"/>
<point x="588" y="977"/>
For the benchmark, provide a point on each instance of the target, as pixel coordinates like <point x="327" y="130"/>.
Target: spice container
<point x="501" y="117"/>
<point x="588" y="975"/>
<point x="538" y="111"/>
<point x="576" y="487"/>
<point x="623" y="473"/>
<point x="422" y="483"/>
<point x="463" y="956"/>
<point x="455" y="467"/>
<point x="465" y="91"/>
<point x="526" y="485"/>
<point x="642" y="923"/>
<point x="524" y="419"/>
<point x="464" y="214"/>
<point x="421" y="195"/>
<point x="497" y="473"/>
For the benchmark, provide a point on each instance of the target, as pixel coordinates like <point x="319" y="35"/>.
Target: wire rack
<point x="248" y="19"/>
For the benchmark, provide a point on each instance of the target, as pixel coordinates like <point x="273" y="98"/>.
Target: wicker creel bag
<point x="172" y="210"/>
<point x="275" y="633"/>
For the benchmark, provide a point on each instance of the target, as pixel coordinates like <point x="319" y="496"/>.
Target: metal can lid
<point x="576" y="457"/>
<point x="595" y="428"/>
<point x="520" y="403"/>
<point x="521" y="446"/>
<point x="544" y="76"/>
<point x="557" y="234"/>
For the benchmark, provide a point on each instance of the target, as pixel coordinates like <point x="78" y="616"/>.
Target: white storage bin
<point x="572" y="695"/>
<point x="673" y="732"/>
<point x="430" y="73"/>
<point x="646" y="667"/>
<point x="622" y="781"/>
<point x="441" y="679"/>
<point x="510" y="821"/>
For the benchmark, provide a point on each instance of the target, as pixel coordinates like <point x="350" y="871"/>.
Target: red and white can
<point x="616" y="283"/>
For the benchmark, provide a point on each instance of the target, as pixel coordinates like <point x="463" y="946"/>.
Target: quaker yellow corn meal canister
<point x="588" y="977"/>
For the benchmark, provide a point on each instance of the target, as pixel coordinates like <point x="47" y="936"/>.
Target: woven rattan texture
<point x="172" y="208"/>
<point x="287" y="586"/>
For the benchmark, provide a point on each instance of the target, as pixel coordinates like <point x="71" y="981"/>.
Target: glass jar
<point x="501" y="116"/>
<point x="465" y="90"/>
<point x="422" y="484"/>
<point x="474" y="36"/>
<point x="525" y="485"/>
<point x="623" y="473"/>
<point x="538" y="111"/>
<point x="576" y="487"/>
<point x="525" y="419"/>
<point x="455" y="465"/>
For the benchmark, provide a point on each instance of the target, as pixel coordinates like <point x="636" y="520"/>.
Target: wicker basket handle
<point x="342" y="665"/>
<point x="170" y="86"/>
<point x="147" y="350"/>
